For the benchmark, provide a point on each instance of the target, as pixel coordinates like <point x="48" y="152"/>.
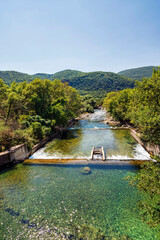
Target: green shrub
<point x="37" y="130"/>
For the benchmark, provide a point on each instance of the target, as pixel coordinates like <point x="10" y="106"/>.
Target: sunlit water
<point x="86" y="134"/>
<point x="59" y="202"/>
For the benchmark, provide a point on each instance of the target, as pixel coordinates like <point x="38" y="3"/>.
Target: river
<point x="93" y="132"/>
<point x="59" y="202"/>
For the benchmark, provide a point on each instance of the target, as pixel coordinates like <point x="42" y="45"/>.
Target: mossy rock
<point x="86" y="170"/>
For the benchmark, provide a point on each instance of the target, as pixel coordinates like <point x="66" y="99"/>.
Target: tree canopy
<point x="140" y="106"/>
<point x="30" y="111"/>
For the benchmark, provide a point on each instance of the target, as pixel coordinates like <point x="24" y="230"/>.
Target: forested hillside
<point x="135" y="73"/>
<point x="138" y="73"/>
<point x="95" y="83"/>
<point x="99" y="83"/>
<point x="66" y="74"/>
<point x="13" y="76"/>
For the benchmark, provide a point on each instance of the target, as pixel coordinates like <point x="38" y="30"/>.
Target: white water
<point x="41" y="154"/>
<point x="98" y="115"/>
<point x="139" y="153"/>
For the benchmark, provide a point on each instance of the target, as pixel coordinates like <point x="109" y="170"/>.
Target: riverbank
<point x="96" y="122"/>
<point x="151" y="148"/>
<point x="20" y="152"/>
<point x="84" y="116"/>
<point x="109" y="120"/>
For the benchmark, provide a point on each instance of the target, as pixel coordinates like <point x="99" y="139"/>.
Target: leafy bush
<point x="37" y="130"/>
<point x="148" y="181"/>
<point x="24" y="136"/>
<point x="46" y="131"/>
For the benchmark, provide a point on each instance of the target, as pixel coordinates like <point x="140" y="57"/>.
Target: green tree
<point x="38" y="95"/>
<point x="37" y="130"/>
<point x="144" y="109"/>
<point x="140" y="106"/>
<point x="110" y="97"/>
<point x="148" y="181"/>
<point x="32" y="110"/>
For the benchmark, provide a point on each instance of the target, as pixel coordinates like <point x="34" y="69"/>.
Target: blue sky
<point x="86" y="35"/>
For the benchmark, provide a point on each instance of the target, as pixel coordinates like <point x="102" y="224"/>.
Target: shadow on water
<point x="69" y="135"/>
<point x="128" y="167"/>
<point x="6" y="168"/>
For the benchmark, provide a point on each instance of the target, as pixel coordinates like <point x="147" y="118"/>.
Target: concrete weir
<point x="83" y="162"/>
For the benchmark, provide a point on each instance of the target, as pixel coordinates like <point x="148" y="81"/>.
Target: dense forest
<point x="30" y="111"/>
<point x="65" y="74"/>
<point x="13" y="76"/>
<point x="94" y="83"/>
<point x="141" y="108"/>
<point x="138" y="73"/>
<point x="99" y="83"/>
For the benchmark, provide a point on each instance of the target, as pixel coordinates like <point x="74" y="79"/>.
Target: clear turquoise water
<point x="79" y="143"/>
<point x="59" y="202"/>
<point x="86" y="134"/>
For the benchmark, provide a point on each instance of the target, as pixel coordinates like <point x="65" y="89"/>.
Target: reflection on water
<point x="59" y="202"/>
<point x="86" y="134"/>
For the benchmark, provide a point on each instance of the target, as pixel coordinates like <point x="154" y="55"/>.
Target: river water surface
<point x="59" y="202"/>
<point x="86" y="134"/>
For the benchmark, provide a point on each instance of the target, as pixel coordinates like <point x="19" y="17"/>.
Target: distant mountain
<point x="42" y="76"/>
<point x="60" y="75"/>
<point x="98" y="83"/>
<point x="138" y="73"/>
<point x="66" y="74"/>
<point x="11" y="76"/>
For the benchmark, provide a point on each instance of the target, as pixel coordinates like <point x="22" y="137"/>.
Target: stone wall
<point x="20" y="152"/>
<point x="43" y="142"/>
<point x="151" y="148"/>
<point x="14" y="154"/>
<point x="58" y="131"/>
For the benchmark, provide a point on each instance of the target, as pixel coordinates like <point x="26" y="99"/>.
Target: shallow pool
<point x="59" y="202"/>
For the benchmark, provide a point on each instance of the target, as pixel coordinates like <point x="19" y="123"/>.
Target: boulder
<point x="86" y="170"/>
